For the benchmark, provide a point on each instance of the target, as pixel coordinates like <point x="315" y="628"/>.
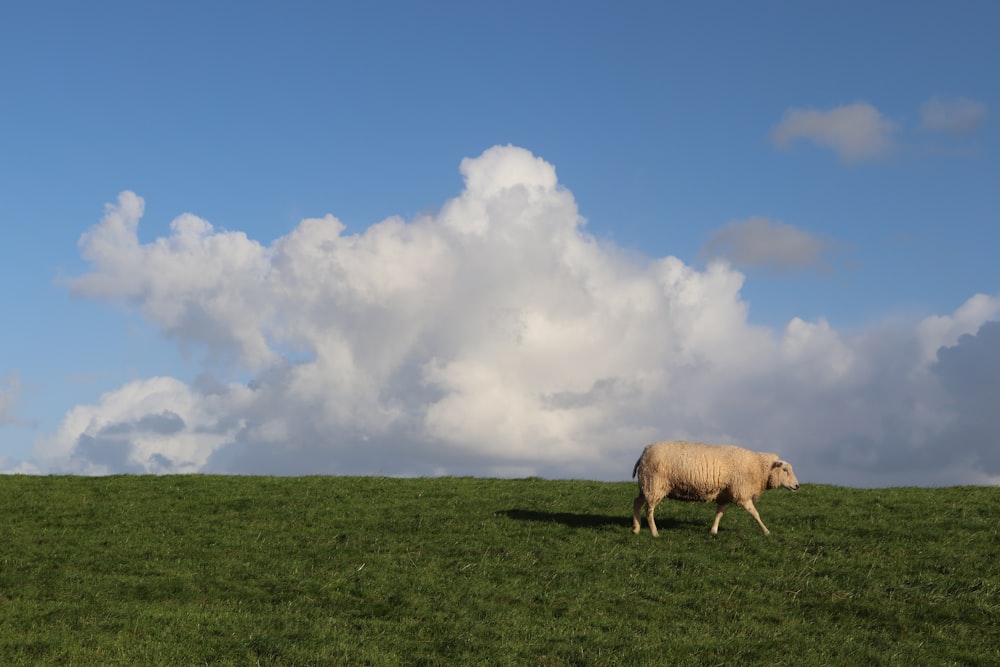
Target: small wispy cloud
<point x="774" y="245"/>
<point x="957" y="115"/>
<point x="10" y="390"/>
<point x="855" y="132"/>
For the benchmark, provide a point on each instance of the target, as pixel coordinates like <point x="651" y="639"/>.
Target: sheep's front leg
<point x="748" y="506"/>
<point x="719" y="508"/>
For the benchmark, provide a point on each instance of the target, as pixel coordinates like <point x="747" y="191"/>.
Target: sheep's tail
<point x="636" y="468"/>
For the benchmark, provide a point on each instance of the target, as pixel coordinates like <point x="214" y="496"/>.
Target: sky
<point x="499" y="239"/>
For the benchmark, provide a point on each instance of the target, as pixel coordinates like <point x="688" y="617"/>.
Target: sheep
<point x="698" y="472"/>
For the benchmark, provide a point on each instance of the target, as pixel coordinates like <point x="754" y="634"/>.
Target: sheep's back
<point x="697" y="471"/>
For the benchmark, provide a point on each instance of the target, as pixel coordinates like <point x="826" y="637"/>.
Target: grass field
<point x="188" y="570"/>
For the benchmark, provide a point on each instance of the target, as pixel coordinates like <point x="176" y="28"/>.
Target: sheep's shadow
<point x="570" y="519"/>
<point x="574" y="520"/>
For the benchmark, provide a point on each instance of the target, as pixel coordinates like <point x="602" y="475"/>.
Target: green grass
<point x="346" y="570"/>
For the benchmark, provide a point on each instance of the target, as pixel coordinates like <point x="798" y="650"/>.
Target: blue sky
<point x="773" y="224"/>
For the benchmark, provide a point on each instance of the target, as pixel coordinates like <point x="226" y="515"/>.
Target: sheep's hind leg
<point x="640" y="500"/>
<point x="650" y="507"/>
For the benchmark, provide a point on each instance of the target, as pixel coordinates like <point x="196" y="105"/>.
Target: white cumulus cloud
<point x="150" y="426"/>
<point x="497" y="337"/>
<point x="855" y="132"/>
<point x="939" y="331"/>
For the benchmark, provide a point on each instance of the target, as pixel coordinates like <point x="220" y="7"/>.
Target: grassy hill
<point x="186" y="570"/>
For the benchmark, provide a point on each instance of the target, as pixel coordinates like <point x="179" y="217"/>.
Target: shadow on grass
<point x="568" y="518"/>
<point x="574" y="520"/>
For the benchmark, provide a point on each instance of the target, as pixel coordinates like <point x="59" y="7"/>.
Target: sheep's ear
<point x="778" y="464"/>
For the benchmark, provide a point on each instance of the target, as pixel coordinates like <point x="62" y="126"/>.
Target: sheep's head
<point x="782" y="475"/>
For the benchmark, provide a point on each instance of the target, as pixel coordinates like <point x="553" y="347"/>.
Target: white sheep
<point x="699" y="472"/>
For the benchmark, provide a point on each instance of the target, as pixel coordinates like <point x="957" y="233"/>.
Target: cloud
<point x="970" y="373"/>
<point x="855" y="132"/>
<point x="770" y="244"/>
<point x="154" y="425"/>
<point x="184" y="284"/>
<point x="496" y="337"/>
<point x="936" y="332"/>
<point x="10" y="391"/>
<point x="958" y="115"/>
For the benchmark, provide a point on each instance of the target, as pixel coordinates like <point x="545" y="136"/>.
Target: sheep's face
<point x="782" y="475"/>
